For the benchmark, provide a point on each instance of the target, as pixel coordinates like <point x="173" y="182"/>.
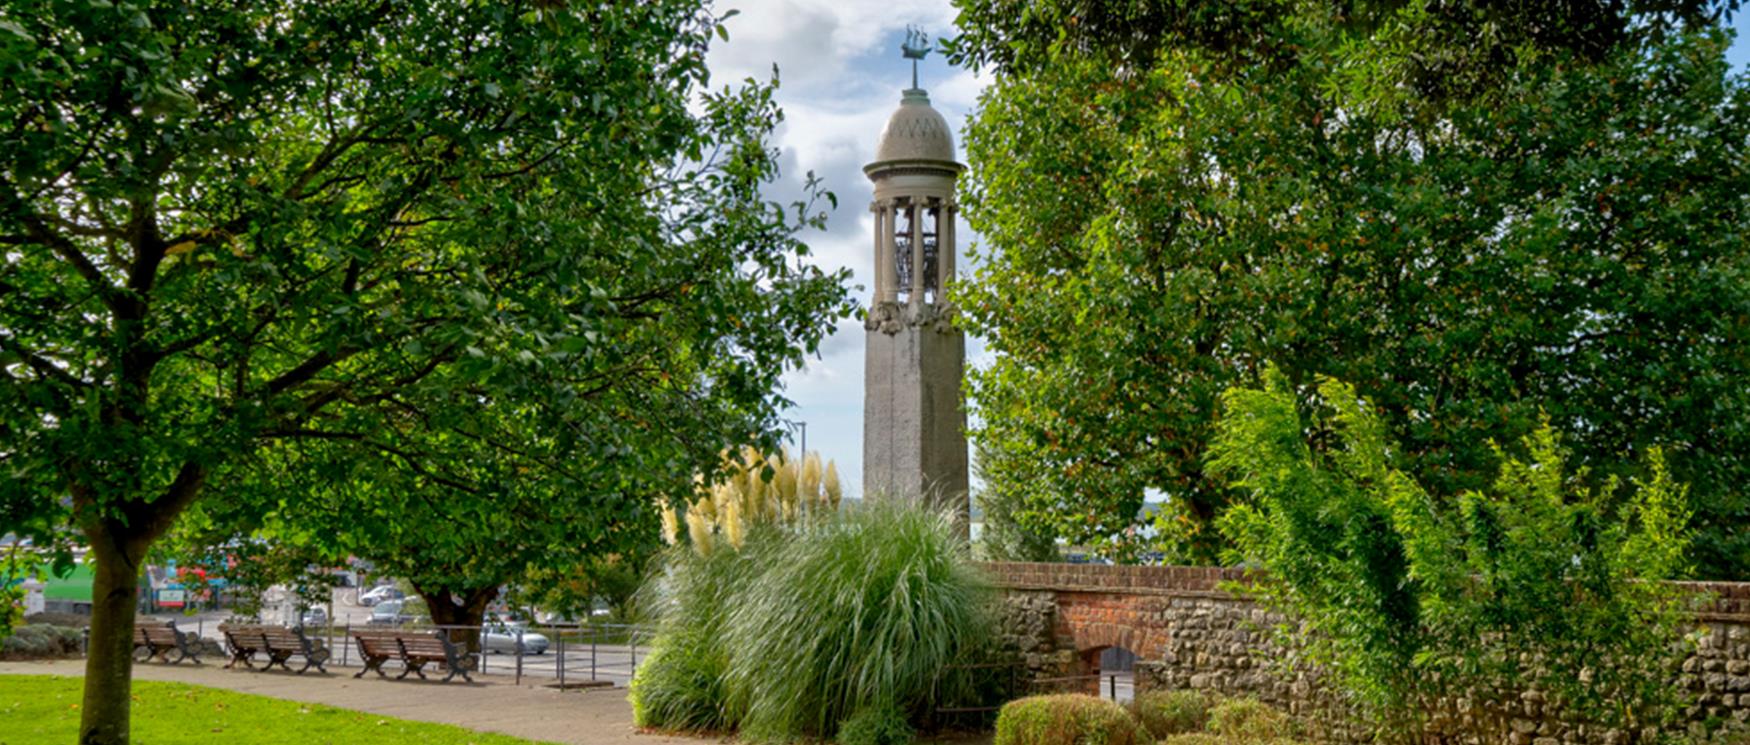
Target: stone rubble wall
<point x="1189" y="633"/>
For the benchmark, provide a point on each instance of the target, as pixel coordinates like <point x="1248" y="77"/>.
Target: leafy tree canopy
<point x="1573" y="242"/>
<point x="390" y="247"/>
<point x="1438" y="49"/>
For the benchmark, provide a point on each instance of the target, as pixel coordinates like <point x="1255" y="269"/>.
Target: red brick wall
<point x="1139" y="580"/>
<point x="1731" y="599"/>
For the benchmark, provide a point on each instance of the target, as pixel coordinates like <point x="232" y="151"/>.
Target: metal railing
<point x="990" y="685"/>
<point x="568" y="655"/>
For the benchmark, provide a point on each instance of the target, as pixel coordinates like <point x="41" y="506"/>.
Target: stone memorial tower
<point x="914" y="427"/>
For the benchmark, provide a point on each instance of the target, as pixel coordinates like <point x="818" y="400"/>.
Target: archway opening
<point x="1110" y="672"/>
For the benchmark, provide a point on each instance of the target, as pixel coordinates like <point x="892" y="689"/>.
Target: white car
<point x="501" y="638"/>
<point x="379" y="594"/>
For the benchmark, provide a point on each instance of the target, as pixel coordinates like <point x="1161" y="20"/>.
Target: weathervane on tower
<point x="915" y="47"/>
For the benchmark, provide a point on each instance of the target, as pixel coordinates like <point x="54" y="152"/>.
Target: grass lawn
<point x="37" y="709"/>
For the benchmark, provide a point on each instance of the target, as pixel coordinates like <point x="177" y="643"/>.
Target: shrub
<point x="876" y="725"/>
<point x="1419" y="599"/>
<point x="865" y="608"/>
<point x="1067" y="719"/>
<point x="1248" y="720"/>
<point x="1165" y="713"/>
<point x="71" y="620"/>
<point x="41" y="641"/>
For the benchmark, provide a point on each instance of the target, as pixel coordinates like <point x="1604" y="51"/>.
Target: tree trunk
<point x="464" y="609"/>
<point x="109" y="662"/>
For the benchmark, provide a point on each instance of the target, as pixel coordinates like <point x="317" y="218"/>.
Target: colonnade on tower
<point x="914" y="248"/>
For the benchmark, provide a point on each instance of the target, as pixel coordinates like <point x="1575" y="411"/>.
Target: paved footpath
<point x="493" y="704"/>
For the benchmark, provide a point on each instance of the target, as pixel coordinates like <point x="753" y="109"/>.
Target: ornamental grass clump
<point x="1067" y="719"/>
<point x="876" y="725"/>
<point x="680" y="685"/>
<point x="783" y="617"/>
<point x="863" y="611"/>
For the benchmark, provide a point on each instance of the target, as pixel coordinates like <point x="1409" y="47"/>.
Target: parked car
<point x="379" y="594"/>
<point x="388" y="613"/>
<point x="501" y="638"/>
<point x="314" y="616"/>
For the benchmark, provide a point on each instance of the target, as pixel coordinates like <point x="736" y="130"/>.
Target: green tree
<point x="242" y="237"/>
<point x="614" y="580"/>
<point x="1434" y="49"/>
<point x="1010" y="533"/>
<point x="1410" y="602"/>
<point x="248" y="568"/>
<point x="1569" y="241"/>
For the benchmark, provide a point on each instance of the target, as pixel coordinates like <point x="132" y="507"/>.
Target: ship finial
<point x="915" y="46"/>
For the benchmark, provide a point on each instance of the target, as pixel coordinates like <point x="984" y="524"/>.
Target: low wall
<point x="1188" y="633"/>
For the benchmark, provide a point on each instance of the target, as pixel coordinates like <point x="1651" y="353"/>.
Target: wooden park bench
<point x="282" y="644"/>
<point x="156" y="640"/>
<point x="279" y="643"/>
<point x="415" y="649"/>
<point x="243" y="642"/>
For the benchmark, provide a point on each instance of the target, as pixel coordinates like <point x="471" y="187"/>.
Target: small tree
<point x="1409" y="604"/>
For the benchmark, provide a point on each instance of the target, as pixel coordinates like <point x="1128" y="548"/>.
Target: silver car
<point x="501" y="638"/>
<point x="388" y="613"/>
<point x="313" y="616"/>
<point x="379" y="594"/>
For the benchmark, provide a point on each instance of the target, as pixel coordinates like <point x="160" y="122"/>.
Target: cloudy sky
<point x="841" y="74"/>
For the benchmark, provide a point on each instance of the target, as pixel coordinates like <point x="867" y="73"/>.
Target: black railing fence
<point x="559" y="655"/>
<point x="970" y="694"/>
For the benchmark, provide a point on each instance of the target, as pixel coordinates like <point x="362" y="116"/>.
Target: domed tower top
<point x="914" y="174"/>
<point x="915" y="132"/>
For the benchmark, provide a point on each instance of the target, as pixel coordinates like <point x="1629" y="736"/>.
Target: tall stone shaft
<point x="914" y="423"/>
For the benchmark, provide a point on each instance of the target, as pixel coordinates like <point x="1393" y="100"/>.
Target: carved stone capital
<point x="890" y="317"/>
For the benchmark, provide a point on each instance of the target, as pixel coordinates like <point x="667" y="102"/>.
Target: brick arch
<point x="1096" y="607"/>
<point x="1093" y="622"/>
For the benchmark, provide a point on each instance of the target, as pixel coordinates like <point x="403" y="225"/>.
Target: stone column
<point x="883" y="263"/>
<point x="890" y="291"/>
<point x="917" y="252"/>
<point x="945" y="243"/>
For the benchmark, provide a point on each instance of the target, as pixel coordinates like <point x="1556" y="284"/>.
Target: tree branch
<point x="42" y="365"/>
<point x="307" y="370"/>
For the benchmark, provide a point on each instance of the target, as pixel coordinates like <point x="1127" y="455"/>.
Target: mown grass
<point x="37" y="709"/>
